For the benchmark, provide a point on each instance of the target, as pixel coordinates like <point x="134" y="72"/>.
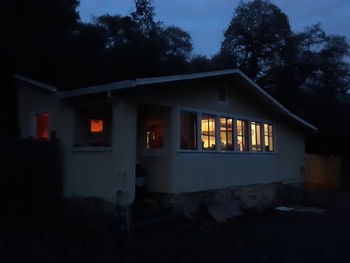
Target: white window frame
<point x="234" y="118"/>
<point x="234" y="134"/>
<point x="262" y="142"/>
<point x="216" y="131"/>
<point x="273" y="137"/>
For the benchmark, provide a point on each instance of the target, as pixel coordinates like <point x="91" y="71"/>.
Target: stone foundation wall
<point x="250" y="198"/>
<point x="220" y="204"/>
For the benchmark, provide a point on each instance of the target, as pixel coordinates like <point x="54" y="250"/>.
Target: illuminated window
<point x="226" y="134"/>
<point x="208" y="132"/>
<point x="255" y="131"/>
<point x="154" y="134"/>
<point x="188" y="130"/>
<point x="242" y="135"/>
<point x="42" y="126"/>
<point x="93" y="125"/>
<point x="96" y="126"/>
<point x="268" y="138"/>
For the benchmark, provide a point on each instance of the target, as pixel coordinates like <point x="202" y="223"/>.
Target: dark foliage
<point x="308" y="71"/>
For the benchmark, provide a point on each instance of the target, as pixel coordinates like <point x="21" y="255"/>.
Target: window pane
<point x="154" y="134"/>
<point x="205" y="126"/>
<point x="268" y="137"/>
<point x="223" y="140"/>
<point x="229" y="124"/>
<point x="42" y="126"/>
<point x="226" y="134"/>
<point x="188" y="130"/>
<point x="242" y="135"/>
<point x="208" y="132"/>
<point x="212" y="126"/>
<point x="96" y="125"/>
<point x="266" y="129"/>
<point x="258" y="137"/>
<point x="255" y="130"/>
<point x="271" y="144"/>
<point x="239" y="127"/>
<point x="205" y="141"/>
<point x="253" y="135"/>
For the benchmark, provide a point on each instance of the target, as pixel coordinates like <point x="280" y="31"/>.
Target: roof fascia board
<point x="98" y="89"/>
<point x="275" y="102"/>
<point x="155" y="80"/>
<point x="36" y="83"/>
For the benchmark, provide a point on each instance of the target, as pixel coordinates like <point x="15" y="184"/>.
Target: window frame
<point x="81" y="128"/>
<point x="234" y="133"/>
<point x="273" y="137"/>
<point x="247" y="136"/>
<point x="219" y="115"/>
<point x="262" y="142"/>
<point x="209" y="115"/>
<point x="198" y="117"/>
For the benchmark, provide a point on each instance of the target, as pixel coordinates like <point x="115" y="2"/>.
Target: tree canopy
<point x="307" y="71"/>
<point x="256" y="38"/>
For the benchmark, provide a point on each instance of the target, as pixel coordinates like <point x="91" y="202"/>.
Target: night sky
<point x="206" y="20"/>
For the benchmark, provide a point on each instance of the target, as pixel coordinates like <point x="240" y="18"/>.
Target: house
<point x="186" y="134"/>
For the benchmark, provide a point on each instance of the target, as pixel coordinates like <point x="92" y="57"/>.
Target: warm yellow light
<point x="96" y="125"/>
<point x="208" y="132"/>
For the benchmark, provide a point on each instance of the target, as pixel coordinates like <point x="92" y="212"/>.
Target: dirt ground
<point x="269" y="236"/>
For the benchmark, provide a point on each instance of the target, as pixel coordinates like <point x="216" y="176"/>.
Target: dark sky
<point x="206" y="20"/>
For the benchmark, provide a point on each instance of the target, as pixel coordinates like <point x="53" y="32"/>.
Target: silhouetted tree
<point x="36" y="34"/>
<point x="256" y="37"/>
<point x="306" y="71"/>
<point x="143" y="16"/>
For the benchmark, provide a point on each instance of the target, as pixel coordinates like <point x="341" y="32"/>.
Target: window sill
<point x="154" y="152"/>
<point x="92" y="149"/>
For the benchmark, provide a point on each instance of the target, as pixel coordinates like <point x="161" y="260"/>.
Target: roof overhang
<point x="132" y="84"/>
<point x="36" y="83"/>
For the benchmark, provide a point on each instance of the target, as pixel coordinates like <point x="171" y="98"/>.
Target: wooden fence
<point x="323" y="173"/>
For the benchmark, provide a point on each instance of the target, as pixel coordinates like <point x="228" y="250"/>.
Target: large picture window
<point x="216" y="132"/>
<point x="242" y="136"/>
<point x="208" y="132"/>
<point x="226" y="134"/>
<point x="188" y="130"/>
<point x="255" y="131"/>
<point x="268" y="138"/>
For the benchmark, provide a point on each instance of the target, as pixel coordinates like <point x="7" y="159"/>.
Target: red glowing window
<point x="155" y="134"/>
<point x="42" y="126"/>
<point x="96" y="126"/>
